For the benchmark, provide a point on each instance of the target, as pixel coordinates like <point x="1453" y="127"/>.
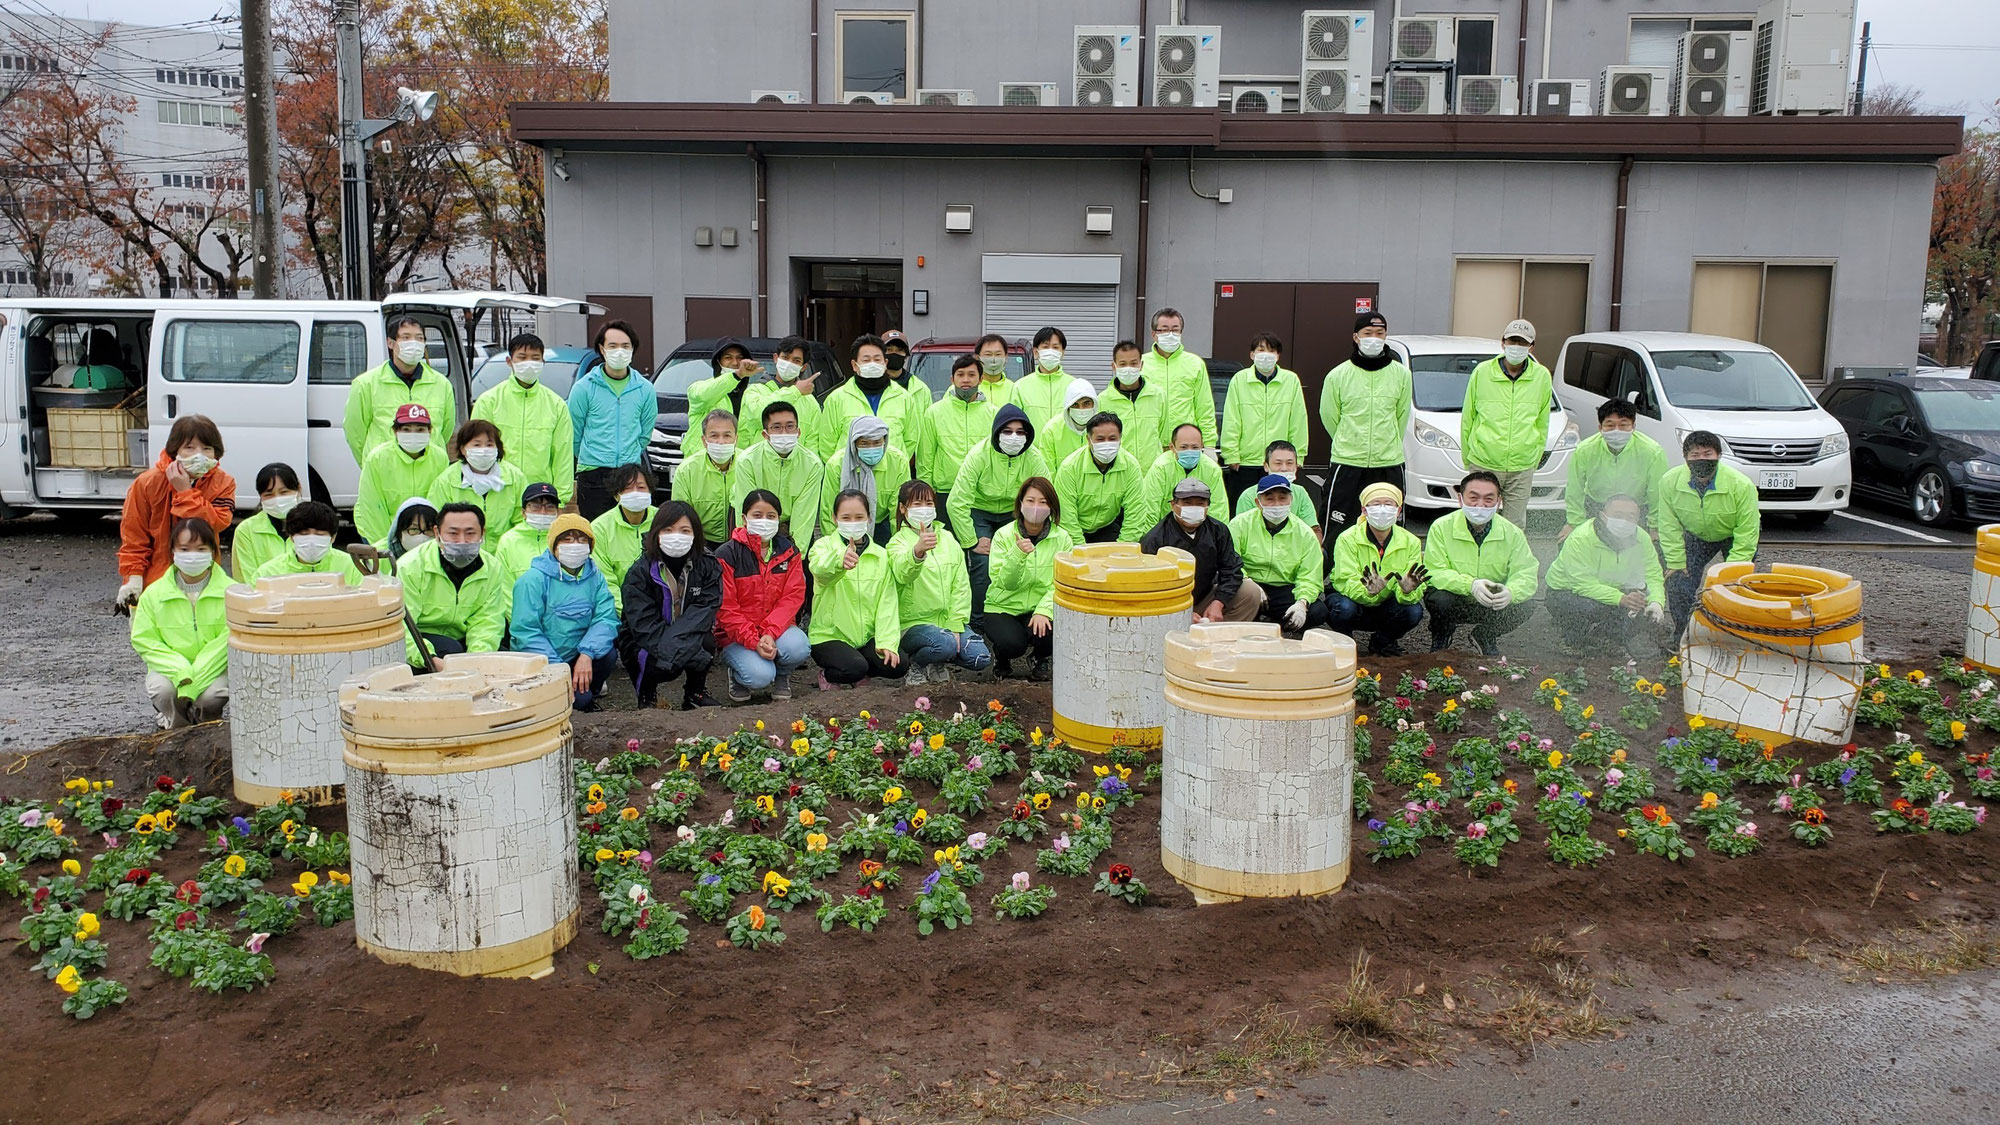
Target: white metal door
<point x="245" y="371"/>
<point x="1087" y="315"/>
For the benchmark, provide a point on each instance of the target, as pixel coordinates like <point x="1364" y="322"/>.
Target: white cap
<point x="1521" y="328"/>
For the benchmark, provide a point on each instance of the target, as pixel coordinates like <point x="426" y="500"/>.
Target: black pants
<point x="593" y="493"/>
<point x="1109" y="532"/>
<point x="1449" y="611"/>
<point x="984" y="524"/>
<point x="1278" y="599"/>
<point x="1343" y="494"/>
<point x="1583" y="621"/>
<point x="648" y="674"/>
<point x="844" y="664"/>
<point x="1236" y="481"/>
<point x="1009" y="635"/>
<point x="441" y="646"/>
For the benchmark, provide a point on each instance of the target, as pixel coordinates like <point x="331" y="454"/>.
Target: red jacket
<point x="152" y="507"/>
<point x="760" y="597"/>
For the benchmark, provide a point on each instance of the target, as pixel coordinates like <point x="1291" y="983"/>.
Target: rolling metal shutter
<point x="1087" y="315"/>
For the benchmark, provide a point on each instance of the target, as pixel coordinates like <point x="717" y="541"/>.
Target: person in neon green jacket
<point x="1707" y="510"/>
<point x="1377" y="581"/>
<point x="456" y="591"/>
<point x="377" y="395"/>
<point x="180" y="628"/>
<point x="1282" y="458"/>
<point x="729" y="387"/>
<point x="1186" y="460"/>
<point x="1481" y="570"/>
<point x="935" y="592"/>
<point x="309" y="532"/>
<point x="873" y="392"/>
<point x="484" y="476"/>
<point x="1183" y="374"/>
<point x="791" y="383"/>
<point x="783" y="465"/>
<point x="1504" y="427"/>
<point x="540" y="504"/>
<point x="396" y="471"/>
<point x="857" y="626"/>
<point x="1264" y="403"/>
<point x="1040" y="393"/>
<point x="870" y="464"/>
<point x="983" y="493"/>
<point x="618" y="537"/>
<point x="960" y="420"/>
<point x="1065" y="431"/>
<point x="1104" y="488"/>
<point x="534" y="418"/>
<point x="993" y="381"/>
<point x="258" y="540"/>
<point x="1605" y="577"/>
<point x="1282" y="556"/>
<point x="1143" y="404"/>
<point x="1021" y="602"/>
<point x="1617" y="460"/>
<point x="706" y="478"/>
<point x="1365" y="406"/>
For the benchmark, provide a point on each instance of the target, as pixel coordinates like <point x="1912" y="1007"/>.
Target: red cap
<point x="412" y="414"/>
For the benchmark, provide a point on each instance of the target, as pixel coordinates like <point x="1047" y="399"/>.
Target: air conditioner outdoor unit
<point x="1337" y="64"/>
<point x="1712" y="74"/>
<point x="1413" y="91"/>
<point x="1257" y="99"/>
<point x="1030" y="93"/>
<point x="866" y="97"/>
<point x="1425" y="39"/>
<point x="1107" y="66"/>
<point x="1485" y="95"/>
<point x="1187" y="65"/>
<point x="947" y="97"/>
<point x="1632" y="91"/>
<point x="1561" y="97"/>
<point x="777" y="97"/>
<point x="1801" y="52"/>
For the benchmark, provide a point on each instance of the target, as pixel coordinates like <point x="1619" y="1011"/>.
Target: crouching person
<point x="1221" y="593"/>
<point x="456" y="591"/>
<point x="671" y="597"/>
<point x="1378" y="579"/>
<point x="1482" y="573"/>
<point x="563" y="610"/>
<point x="1605" y="579"/>
<point x="181" y="631"/>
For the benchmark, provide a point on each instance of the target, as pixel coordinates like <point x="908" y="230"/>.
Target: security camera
<point x="558" y="165"/>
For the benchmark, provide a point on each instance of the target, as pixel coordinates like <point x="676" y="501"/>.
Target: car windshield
<point x="1974" y="409"/>
<point x="557" y="375"/>
<point x="1717" y="380"/>
<point x="934" y="369"/>
<point x="680" y="374"/>
<point x="1437" y="382"/>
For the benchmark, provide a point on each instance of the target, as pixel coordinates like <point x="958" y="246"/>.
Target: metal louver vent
<point x="1706" y="97"/>
<point x="1708" y="54"/>
<point x="1478" y="97"/>
<point x="1177" y="56"/>
<point x="1251" y="101"/>
<point x="1022" y="95"/>
<point x="1175" y="92"/>
<point x="1327" y="38"/>
<point x="940" y="99"/>
<point x="1095" y="54"/>
<point x="1323" y="91"/>
<point x="770" y="99"/>
<point x="1416" y="39"/>
<point x="1408" y="94"/>
<point x="1095" y="91"/>
<point x="1632" y="93"/>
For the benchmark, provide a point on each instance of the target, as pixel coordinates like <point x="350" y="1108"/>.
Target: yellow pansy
<point x="937" y="741"/>
<point x="1555" y="759"/>
<point x="892" y="794"/>
<point x="234" y="866"/>
<point x="86" y="926"/>
<point x="69" y="980"/>
<point x="71" y="867"/>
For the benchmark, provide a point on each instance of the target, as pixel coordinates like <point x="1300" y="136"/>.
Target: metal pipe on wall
<point x="812" y="97"/>
<point x="763" y="233"/>
<point x="1521" y="55"/>
<point x="1145" y="235"/>
<point x="922" y="23"/>
<point x="1548" y="34"/>
<point x="1618" y="246"/>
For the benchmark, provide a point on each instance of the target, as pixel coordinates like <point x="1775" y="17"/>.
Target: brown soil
<point x="1095" y="996"/>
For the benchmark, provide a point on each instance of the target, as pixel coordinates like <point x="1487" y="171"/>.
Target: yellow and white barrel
<point x="293" y="640"/>
<point x="460" y="814"/>
<point x="1776" y="655"/>
<point x="1982" y="617"/>
<point x="1114" y="608"/>
<point x="1257" y="799"/>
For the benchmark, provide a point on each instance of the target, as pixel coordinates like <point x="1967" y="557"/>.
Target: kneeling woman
<point x="1021" y="603"/>
<point x="563" y="610"/>
<point x="763" y="588"/>
<point x="179" y="628"/>
<point x="671" y="595"/>
<point x="856" y="625"/>
<point x="934" y="590"/>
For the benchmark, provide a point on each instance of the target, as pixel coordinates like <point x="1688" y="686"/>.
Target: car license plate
<point x="1779" y="480"/>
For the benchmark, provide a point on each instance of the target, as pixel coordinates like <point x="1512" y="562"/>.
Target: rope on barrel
<point x="1811" y="629"/>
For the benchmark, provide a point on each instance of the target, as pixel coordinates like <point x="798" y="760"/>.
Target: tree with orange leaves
<point x="1965" y="245"/>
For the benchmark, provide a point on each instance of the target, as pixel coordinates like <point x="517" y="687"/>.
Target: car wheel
<point x="1930" y="497"/>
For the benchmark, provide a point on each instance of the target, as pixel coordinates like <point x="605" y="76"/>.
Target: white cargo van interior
<point x="85" y="444"/>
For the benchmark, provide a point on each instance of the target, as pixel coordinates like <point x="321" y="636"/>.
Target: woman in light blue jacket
<point x="563" y="610"/>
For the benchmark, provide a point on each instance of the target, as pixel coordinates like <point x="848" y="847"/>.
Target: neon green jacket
<point x="475" y="613"/>
<point x="1189" y="397"/>
<point x="795" y="480"/>
<point x="708" y="394"/>
<point x="1040" y="393"/>
<point x="1366" y="413"/>
<point x="1454" y="558"/>
<point x="538" y="433"/>
<point x="1166" y="472"/>
<point x="1726" y="511"/>
<point x="1147" y="430"/>
<point x="516" y="550"/>
<point x="502" y="505"/>
<point x="1056" y="439"/>
<point x="860" y="607"/>
<point x="1596" y="474"/>
<point x="701" y="482"/>
<point x="999" y="391"/>
<point x="1302" y="504"/>
<point x="902" y="408"/>
<point x="372" y="400"/>
<point x="187" y="643"/>
<point x="1025" y="583"/>
<point x="617" y="546"/>
<point x="1589" y="567"/>
<point x="1256" y="413"/>
<point x="989" y="480"/>
<point x="889" y="476"/>
<point x="391" y="476"/>
<point x="1289" y="556"/>
<point x="749" y="428"/>
<point x="1505" y="425"/>
<point x="1355" y="550"/>
<point x="954" y="426"/>
<point x="335" y="561"/>
<point x="936" y="589"/>
<point x="1094" y="496"/>
<point x="255" y="542"/>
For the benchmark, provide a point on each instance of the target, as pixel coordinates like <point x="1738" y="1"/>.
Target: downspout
<point x="1145" y="234"/>
<point x="1521" y="52"/>
<point x="1548" y="33"/>
<point x="921" y="24"/>
<point x="812" y="98"/>
<point x="1618" y="246"/>
<point x="763" y="227"/>
<point x="1143" y="52"/>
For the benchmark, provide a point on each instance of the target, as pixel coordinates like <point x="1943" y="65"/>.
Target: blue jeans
<point x="1386" y="621"/>
<point x="755" y="673"/>
<point x="928" y="644"/>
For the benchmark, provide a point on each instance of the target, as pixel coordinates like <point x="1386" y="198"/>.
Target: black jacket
<point x="689" y="637"/>
<point x="1218" y="569"/>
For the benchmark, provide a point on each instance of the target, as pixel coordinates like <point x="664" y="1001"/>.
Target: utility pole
<point x="261" y="125"/>
<point x="354" y="231"/>
<point x="1861" y="73"/>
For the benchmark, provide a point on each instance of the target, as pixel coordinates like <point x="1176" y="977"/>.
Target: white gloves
<point x="1296" y="616"/>
<point x="1492" y="595"/>
<point x="128" y="594"/>
<point x="1656" y="613"/>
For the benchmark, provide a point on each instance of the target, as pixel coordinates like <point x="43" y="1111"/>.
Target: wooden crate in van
<point x="82" y="438"/>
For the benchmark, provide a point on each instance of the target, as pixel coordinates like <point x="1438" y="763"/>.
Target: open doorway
<point x="840" y="300"/>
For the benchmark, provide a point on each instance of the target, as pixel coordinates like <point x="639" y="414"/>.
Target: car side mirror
<point x="1632" y="397"/>
<point x="1902" y="425"/>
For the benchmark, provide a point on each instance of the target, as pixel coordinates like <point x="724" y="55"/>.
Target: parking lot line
<point x="1911" y="532"/>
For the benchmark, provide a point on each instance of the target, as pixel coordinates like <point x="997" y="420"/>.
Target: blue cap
<point x="1271" y="482"/>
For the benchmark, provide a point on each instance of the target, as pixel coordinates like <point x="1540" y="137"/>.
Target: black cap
<point x="540" y="491"/>
<point x="1370" y="320"/>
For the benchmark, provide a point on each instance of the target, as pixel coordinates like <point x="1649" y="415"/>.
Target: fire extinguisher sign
<point x="1364" y="305"/>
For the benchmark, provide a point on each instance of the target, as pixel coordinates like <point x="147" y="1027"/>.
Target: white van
<point x="273" y="376"/>
<point x="1433" y="462"/>
<point x="1770" y="425"/>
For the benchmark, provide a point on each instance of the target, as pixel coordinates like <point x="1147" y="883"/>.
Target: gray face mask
<point x="459" y="554"/>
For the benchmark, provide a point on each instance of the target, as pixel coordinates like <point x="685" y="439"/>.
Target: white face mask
<point x="413" y="442"/>
<point x="1168" y="342"/>
<point x="854" y="530"/>
<point x="1517" y="354"/>
<point x="1381" y="517"/>
<point x="922" y="515"/>
<point x="721" y="452"/>
<point x="572" y="555"/>
<point x="1370" y="346"/>
<point x="1013" y="444"/>
<point x="411" y="540"/>
<point x="1478" y="515"/>
<point x="617" y="359"/>
<point x="783" y="444"/>
<point x="1191" y="514"/>
<point x="409" y="351"/>
<point x="763" y="527"/>
<point x="676" y="544"/>
<point x="196" y="465"/>
<point x="1291" y="475"/>
<point x="786" y="370"/>
<point x="193" y="564"/>
<point x="1104" y="452"/>
<point x="481" y="457"/>
<point x="1275" y="514"/>
<point x="870" y="370"/>
<point x="278" y="507"/>
<point x="1079" y="415"/>
<point x="1127" y="376"/>
<point x="1620" y="531"/>
<point x="1265" y="362"/>
<point x="528" y="371"/>
<point x="993" y="364"/>
<point x="1049" y="358"/>
<point x="635" y="501"/>
<point x="1617" y="440"/>
<point x="311" y="546"/>
<point x="540" y="521"/>
<point x="1036" y="514"/>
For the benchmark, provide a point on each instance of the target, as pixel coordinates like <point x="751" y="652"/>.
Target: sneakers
<point x="1043" y="671"/>
<point x="698" y="701"/>
<point x="737" y="692"/>
<point x="940" y="673"/>
<point x="1385" y="648"/>
<point x="1440" y="641"/>
<point x="826" y="685"/>
<point x="1488" y="646"/>
<point x="917" y="675"/>
<point x="781" y="688"/>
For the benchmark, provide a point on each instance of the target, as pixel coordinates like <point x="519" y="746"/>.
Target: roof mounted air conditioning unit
<point x="1337" y="63"/>
<point x="1413" y="91"/>
<point x="1187" y="65"/>
<point x="1802" y="52"/>
<point x="1030" y="93"/>
<point x="1107" y="66"/>
<point x="1561" y="97"/>
<point x="1257" y="99"/>
<point x="1712" y="74"/>
<point x="947" y="97"/>
<point x="1432" y="39"/>
<point x="777" y="97"/>
<point x="1633" y="91"/>
<point x="867" y="97"/>
<point x="1487" y="95"/>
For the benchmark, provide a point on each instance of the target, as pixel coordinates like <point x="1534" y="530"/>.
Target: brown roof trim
<point x="656" y="127"/>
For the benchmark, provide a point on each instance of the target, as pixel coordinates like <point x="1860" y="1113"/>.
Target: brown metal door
<point x="635" y="311"/>
<point x="712" y="317"/>
<point x="1314" y="318"/>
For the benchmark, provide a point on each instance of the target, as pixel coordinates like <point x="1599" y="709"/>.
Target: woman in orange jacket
<point x="187" y="482"/>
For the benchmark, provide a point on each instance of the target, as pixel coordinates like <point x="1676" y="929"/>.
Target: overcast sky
<point x="1948" y="49"/>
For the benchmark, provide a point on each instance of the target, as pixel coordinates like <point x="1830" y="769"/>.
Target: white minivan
<point x="1433" y="461"/>
<point x="1744" y="393"/>
<point x="273" y="376"/>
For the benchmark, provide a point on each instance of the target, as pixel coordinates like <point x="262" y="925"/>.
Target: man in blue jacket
<point x="563" y="610"/>
<point x="611" y="412"/>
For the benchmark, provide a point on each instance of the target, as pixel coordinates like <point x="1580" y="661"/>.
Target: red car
<point x="930" y="360"/>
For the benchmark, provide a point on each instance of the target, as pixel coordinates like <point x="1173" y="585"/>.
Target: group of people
<point x="874" y="532"/>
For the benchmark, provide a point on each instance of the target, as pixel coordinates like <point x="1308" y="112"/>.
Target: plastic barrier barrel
<point x="293" y="640"/>
<point x="1114" y="609"/>
<point x="1258" y="792"/>
<point x="1775" y="655"/>
<point x="460" y="814"/>
<point x="1982" y="617"/>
